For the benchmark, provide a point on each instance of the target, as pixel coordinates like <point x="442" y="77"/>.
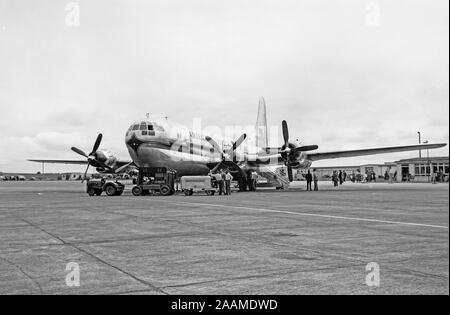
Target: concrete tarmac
<point x="265" y="242"/>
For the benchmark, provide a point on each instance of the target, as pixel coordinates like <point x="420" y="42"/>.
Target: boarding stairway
<point x="275" y="178"/>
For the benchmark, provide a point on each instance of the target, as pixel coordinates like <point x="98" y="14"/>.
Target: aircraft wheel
<point x="136" y="191"/>
<point x="111" y="190"/>
<point x="164" y="190"/>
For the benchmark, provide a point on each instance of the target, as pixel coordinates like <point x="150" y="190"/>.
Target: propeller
<point x="287" y="149"/>
<point x="228" y="155"/>
<point x="291" y="152"/>
<point x="92" y="157"/>
<point x="97" y="144"/>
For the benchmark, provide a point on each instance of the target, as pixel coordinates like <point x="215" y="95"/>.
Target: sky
<point x="345" y="74"/>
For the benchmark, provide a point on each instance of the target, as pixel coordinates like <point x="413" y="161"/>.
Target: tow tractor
<point x="99" y="185"/>
<point x="153" y="180"/>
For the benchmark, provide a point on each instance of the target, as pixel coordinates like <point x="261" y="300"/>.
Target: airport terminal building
<point x="413" y="169"/>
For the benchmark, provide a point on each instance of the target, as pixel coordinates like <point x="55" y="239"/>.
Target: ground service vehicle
<point x="191" y="184"/>
<point x="154" y="180"/>
<point x="111" y="188"/>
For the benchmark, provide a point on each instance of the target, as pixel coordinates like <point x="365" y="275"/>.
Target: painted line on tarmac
<point x="310" y="214"/>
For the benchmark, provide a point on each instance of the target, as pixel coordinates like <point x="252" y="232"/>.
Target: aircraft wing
<point x="75" y="162"/>
<point x="78" y="162"/>
<point x="351" y="153"/>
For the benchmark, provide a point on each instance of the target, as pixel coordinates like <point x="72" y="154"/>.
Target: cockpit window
<point x="150" y="127"/>
<point x="135" y="127"/>
<point x="159" y="128"/>
<point x="143" y="126"/>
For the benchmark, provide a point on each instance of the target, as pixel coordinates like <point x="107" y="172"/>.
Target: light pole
<point x="429" y="163"/>
<point x="420" y="142"/>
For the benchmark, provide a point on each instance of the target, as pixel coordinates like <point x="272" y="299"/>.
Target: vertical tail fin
<point x="261" y="125"/>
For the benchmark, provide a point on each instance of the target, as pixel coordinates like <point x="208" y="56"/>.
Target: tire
<point x="98" y="192"/>
<point x="110" y="190"/>
<point x="164" y="190"/>
<point x="186" y="192"/>
<point x="91" y="192"/>
<point x="191" y="192"/>
<point x="136" y="191"/>
<point x="210" y="192"/>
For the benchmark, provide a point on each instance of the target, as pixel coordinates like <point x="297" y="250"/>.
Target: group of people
<point x="223" y="180"/>
<point x="338" y="177"/>
<point x="312" y="178"/>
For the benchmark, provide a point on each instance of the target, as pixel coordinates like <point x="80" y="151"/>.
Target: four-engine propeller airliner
<point x="153" y="143"/>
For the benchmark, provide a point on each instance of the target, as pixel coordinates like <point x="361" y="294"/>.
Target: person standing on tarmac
<point x="309" y="179"/>
<point x="254" y="179"/>
<point x="335" y="179"/>
<point x="228" y="178"/>
<point x="316" y="180"/>
<point x="340" y="178"/>
<point x="218" y="180"/>
<point x="220" y="177"/>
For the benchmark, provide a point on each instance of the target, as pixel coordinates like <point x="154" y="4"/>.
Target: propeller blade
<point x="85" y="173"/>
<point x="80" y="152"/>
<point x="238" y="168"/>
<point x="306" y="148"/>
<point x="214" y="145"/>
<point x="216" y="167"/>
<point x="237" y="144"/>
<point x="97" y="144"/>
<point x="285" y="133"/>
<point x="289" y="169"/>
<point x="239" y="141"/>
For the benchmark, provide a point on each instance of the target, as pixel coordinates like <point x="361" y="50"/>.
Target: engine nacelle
<point x="100" y="169"/>
<point x="106" y="157"/>
<point x="298" y="159"/>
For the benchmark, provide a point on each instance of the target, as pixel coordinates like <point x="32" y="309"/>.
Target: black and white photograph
<point x="224" y="155"/>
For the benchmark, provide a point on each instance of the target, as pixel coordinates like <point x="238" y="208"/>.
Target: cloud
<point x="339" y="83"/>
